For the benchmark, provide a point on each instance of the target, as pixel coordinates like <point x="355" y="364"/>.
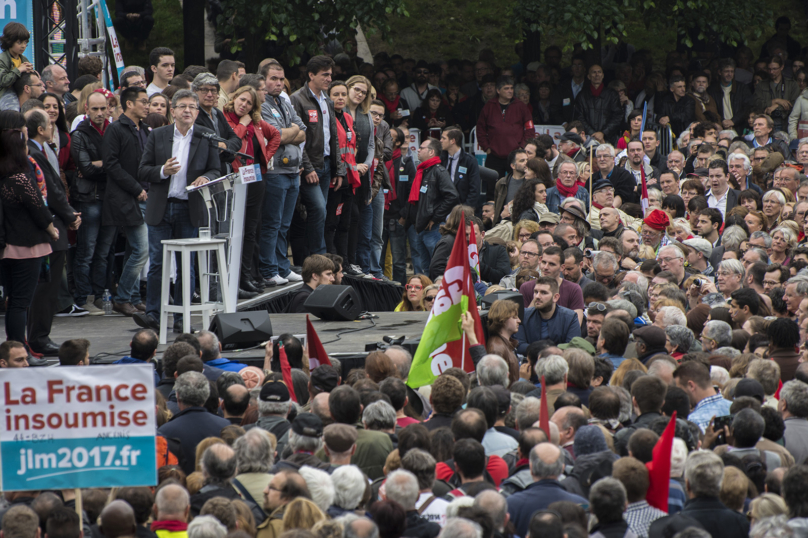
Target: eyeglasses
<point x="600" y="307"/>
<point x="376" y="114"/>
<point x="414" y="287"/>
<point x="208" y="90"/>
<point x="358" y="91"/>
<point x="187" y="107"/>
<point x="143" y="101"/>
<point x="528" y="254"/>
<point x="668" y="259"/>
<point x="524" y="236"/>
<point x="725" y="273"/>
<point x="138" y="83"/>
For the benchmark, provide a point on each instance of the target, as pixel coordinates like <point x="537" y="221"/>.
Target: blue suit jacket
<point x="561" y="328"/>
<point x="538" y="496"/>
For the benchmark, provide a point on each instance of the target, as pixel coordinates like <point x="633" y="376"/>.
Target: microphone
<point x="209" y="136"/>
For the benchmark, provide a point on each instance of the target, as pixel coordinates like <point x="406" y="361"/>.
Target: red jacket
<point x="503" y="134"/>
<point x="347" y="150"/>
<point x="268" y="137"/>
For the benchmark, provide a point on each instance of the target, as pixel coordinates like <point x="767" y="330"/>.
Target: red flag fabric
<point x="544" y="412"/>
<point x="777" y="392"/>
<point x="317" y="354"/>
<point x="286" y="371"/>
<point x="659" y="468"/>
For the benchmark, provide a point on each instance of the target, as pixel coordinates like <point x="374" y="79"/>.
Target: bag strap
<point x="426" y="504"/>
<point x="244" y="492"/>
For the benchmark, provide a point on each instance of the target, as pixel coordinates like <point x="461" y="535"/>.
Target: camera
<point x="698" y="282"/>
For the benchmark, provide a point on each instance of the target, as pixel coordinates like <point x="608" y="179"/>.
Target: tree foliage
<point x="600" y="22"/>
<point x="302" y="25"/>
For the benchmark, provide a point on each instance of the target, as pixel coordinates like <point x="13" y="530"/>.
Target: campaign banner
<point x="77" y="427"/>
<point x="554" y="131"/>
<point x="21" y="11"/>
<point x="113" y="38"/>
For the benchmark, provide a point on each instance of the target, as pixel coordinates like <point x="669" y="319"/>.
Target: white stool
<point x="185" y="247"/>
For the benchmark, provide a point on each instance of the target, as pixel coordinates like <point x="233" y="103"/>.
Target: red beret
<point x="657" y="219"/>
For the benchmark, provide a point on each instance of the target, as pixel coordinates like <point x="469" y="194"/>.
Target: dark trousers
<point x="338" y="227"/>
<point x="252" y="218"/>
<point x="500" y="166"/>
<point x="20" y="278"/>
<point x="45" y="303"/>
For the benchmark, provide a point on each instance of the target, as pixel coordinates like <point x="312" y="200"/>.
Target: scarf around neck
<point x="566" y="192"/>
<point x="248" y="142"/>
<point x="415" y="191"/>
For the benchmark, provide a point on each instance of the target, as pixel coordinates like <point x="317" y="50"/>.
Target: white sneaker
<point x="278" y="280"/>
<point x="293" y="277"/>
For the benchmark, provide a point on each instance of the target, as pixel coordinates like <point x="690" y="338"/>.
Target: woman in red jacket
<point x="261" y="140"/>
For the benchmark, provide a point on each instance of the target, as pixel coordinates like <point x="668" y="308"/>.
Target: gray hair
<point x="349" y="532"/>
<point x="492" y="370"/>
<point x="218" y="467"/>
<point x="728" y="351"/>
<point x="208" y="345"/>
<point x="541" y="469"/>
<point x="320" y="486"/>
<point x="777" y="195"/>
<point x="622" y="304"/>
<point x="605" y="148"/>
<point x="642" y="281"/>
<point x="760" y="234"/>
<point x="206" y="527"/>
<point x="733" y="266"/>
<point x="719" y="375"/>
<point x="747" y="164"/>
<point x="184" y="94"/>
<point x="626" y="406"/>
<point x="553" y="367"/>
<point x="304" y="443"/>
<point x="704" y="472"/>
<point x="693" y="532"/>
<point x="379" y="415"/>
<point x="677" y="252"/>
<point x="795" y="395"/>
<point x="607" y="499"/>
<point x="680" y="336"/>
<point x="718" y="331"/>
<point x="204" y="79"/>
<point x="788" y="234"/>
<point x="36" y="118"/>
<point x="458" y="527"/>
<point x="764" y="256"/>
<point x="349" y="486"/>
<point x="732" y="237"/>
<point x="659" y="366"/>
<point x="422" y="465"/>
<point x="254" y="452"/>
<point x="528" y="411"/>
<point x="730" y="134"/>
<point x="172" y="500"/>
<point x="801" y="283"/>
<point x="402" y="487"/>
<point x="681" y="140"/>
<point x="521" y="87"/>
<point x="192" y="388"/>
<point x="273" y="408"/>
<point x="672" y="315"/>
<point x="493" y="503"/>
<point x="403" y="368"/>
<point x="772" y="527"/>
<point x="602" y="259"/>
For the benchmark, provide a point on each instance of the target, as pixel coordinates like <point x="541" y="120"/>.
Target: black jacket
<point x="681" y="113"/>
<point x="63" y="214"/>
<point x="122" y="153"/>
<point x="190" y="427"/>
<point x="564" y="101"/>
<point x="717" y="519"/>
<point x="299" y="299"/>
<point x="623" y="182"/>
<point x="406" y="175"/>
<point x="311" y="115"/>
<point x="440" y="255"/>
<point x="467" y="177"/>
<point x="467" y="112"/>
<point x="741" y="99"/>
<point x="494" y="262"/>
<point x="622" y="435"/>
<point x="202" y="161"/>
<point x="438" y="200"/>
<point x="85" y="147"/>
<point x="599" y="114"/>
<point x="233" y="142"/>
<point x="25" y="215"/>
<point x="419" y="527"/>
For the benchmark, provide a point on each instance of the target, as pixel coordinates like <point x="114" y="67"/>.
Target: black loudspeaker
<point x="514" y="296"/>
<point x="334" y="303"/>
<point x="242" y="329"/>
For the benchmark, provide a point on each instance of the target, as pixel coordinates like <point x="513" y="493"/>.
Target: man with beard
<point x="622" y="180"/>
<point x="570" y="294"/>
<point x="573" y="262"/>
<point x="508" y="186"/>
<point x="554" y="158"/>
<point x="704" y="103"/>
<point x="547" y="320"/>
<point x="733" y="100"/>
<point x="636" y="163"/>
<point x="631" y="249"/>
<point x="529" y="258"/>
<point x="653" y="228"/>
<point x="417" y="91"/>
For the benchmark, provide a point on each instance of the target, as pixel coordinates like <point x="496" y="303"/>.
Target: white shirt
<point x="324" y="114"/>
<point x="718" y="203"/>
<point x="436" y="511"/>
<point x="180" y="149"/>
<point x="151" y="89"/>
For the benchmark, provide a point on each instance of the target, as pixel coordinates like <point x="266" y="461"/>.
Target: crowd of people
<point x="696" y="305"/>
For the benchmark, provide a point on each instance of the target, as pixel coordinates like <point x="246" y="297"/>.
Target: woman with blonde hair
<point x="766" y="505"/>
<point x="301" y="514"/>
<point x="430" y="292"/>
<point x="625" y="367"/>
<point x="773" y="203"/>
<point x="260" y="140"/>
<point x="523" y="229"/>
<point x="414" y="290"/>
<point x="584" y="171"/>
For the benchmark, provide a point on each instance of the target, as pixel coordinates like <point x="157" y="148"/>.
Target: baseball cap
<point x="324" y="378"/>
<point x="601" y="184"/>
<point x="750" y="387"/>
<point x="550" y="218"/>
<point x="580" y="343"/>
<point x="699" y="244"/>
<point x="308" y="424"/>
<point x="274" y="392"/>
<point x="339" y="437"/>
<point x="571" y="137"/>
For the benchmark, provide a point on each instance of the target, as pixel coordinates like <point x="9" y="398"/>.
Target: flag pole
<point x="591" y="171"/>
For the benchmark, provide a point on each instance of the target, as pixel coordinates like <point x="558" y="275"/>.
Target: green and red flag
<point x="443" y="344"/>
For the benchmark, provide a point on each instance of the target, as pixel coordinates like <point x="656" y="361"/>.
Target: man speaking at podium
<point x="176" y="156"/>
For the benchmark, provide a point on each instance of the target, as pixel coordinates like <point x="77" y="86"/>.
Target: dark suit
<point x="44" y="304"/>
<point x="233" y="142"/>
<point x="732" y="200"/>
<point x="466" y="178"/>
<point x="175" y="218"/>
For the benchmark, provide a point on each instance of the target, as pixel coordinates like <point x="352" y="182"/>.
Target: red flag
<point x="544" y="413"/>
<point x="659" y="468"/>
<point x="286" y="370"/>
<point x="317" y="354"/>
<point x="777" y="392"/>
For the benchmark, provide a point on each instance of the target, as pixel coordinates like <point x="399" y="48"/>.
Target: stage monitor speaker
<point x="242" y="329"/>
<point x="335" y="303"/>
<point x="514" y="296"/>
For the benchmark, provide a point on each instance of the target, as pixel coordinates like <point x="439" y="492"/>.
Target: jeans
<point x="315" y="196"/>
<point x="20" y="278"/>
<point x="429" y="238"/>
<point x="418" y="266"/>
<point x="93" y="242"/>
<point x="176" y="224"/>
<point x="134" y="294"/>
<point x="280" y="198"/>
<point x="137" y="245"/>
<point x="364" y="254"/>
<point x="396" y="235"/>
<point x="376" y="241"/>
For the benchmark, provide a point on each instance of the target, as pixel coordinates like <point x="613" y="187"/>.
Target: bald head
<point x="118" y="519"/>
<point x="546" y="461"/>
<point x="362" y="527"/>
<point x="319" y="406"/>
<point x="172" y="503"/>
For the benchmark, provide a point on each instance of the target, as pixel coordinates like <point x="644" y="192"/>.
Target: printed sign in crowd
<point x="77" y="428"/>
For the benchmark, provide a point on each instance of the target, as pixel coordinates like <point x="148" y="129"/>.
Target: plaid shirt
<point x="639" y="517"/>
<point x="705" y="410"/>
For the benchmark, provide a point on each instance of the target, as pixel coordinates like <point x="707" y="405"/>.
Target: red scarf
<point x="391" y="106"/>
<point x="101" y="130"/>
<point x="566" y="192"/>
<point x="169" y="525"/>
<point x="596" y="205"/>
<point x="571" y="153"/>
<point x="415" y="190"/>
<point x="391" y="195"/>
<point x="596" y="91"/>
<point x="248" y="143"/>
